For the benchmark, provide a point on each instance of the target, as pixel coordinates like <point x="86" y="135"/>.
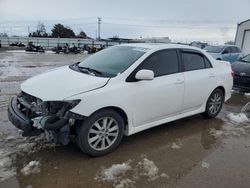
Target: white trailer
<point x="242" y="39"/>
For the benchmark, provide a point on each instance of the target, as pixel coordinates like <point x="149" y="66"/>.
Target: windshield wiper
<point x="90" y="70"/>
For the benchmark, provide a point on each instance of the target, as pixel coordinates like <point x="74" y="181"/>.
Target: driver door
<point x="161" y="97"/>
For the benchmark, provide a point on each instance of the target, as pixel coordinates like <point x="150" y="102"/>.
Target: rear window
<point x="194" y="61"/>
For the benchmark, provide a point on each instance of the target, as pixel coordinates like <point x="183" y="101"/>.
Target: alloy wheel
<point x="103" y="133"/>
<point x="215" y="103"/>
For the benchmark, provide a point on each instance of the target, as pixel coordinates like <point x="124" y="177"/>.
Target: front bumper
<point x="20" y="120"/>
<point x="17" y="117"/>
<point x="33" y="117"/>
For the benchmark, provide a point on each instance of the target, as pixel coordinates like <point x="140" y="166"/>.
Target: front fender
<point x="109" y="96"/>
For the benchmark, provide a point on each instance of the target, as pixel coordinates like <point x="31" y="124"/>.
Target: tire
<point x="214" y="104"/>
<point x="92" y="132"/>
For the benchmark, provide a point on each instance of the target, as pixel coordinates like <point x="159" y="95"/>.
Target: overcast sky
<point x="181" y="20"/>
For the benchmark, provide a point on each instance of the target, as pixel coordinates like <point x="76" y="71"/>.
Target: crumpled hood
<point x="61" y="83"/>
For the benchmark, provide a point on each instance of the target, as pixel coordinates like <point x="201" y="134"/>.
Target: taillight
<point x="232" y="73"/>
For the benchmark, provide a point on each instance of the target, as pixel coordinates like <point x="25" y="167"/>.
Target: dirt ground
<point x="192" y="152"/>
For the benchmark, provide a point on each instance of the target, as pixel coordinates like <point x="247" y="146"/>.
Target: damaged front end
<point x="34" y="116"/>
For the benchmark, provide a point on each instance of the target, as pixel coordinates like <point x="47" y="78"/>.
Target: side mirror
<point x="144" y="75"/>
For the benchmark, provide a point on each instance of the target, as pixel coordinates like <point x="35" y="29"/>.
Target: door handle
<point x="212" y="76"/>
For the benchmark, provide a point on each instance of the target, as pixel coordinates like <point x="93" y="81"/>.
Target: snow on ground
<point x="15" y="51"/>
<point x="149" y="169"/>
<point x="21" y="147"/>
<point x="112" y="173"/>
<point x="237" y="126"/>
<point x="6" y="168"/>
<point x="116" y="174"/>
<point x="33" y="167"/>
<point x="238" y="118"/>
<point x="246" y="109"/>
<point x="10" y="137"/>
<point x="23" y="51"/>
<point x="26" y="147"/>
<point x="247" y="95"/>
<point x="228" y="130"/>
<point x="10" y="73"/>
<point x="13" y="69"/>
<point x="125" y="183"/>
<point x="205" y="164"/>
<point x="176" y="146"/>
<point x="126" y="174"/>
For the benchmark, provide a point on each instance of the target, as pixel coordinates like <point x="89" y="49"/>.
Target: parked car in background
<point x="226" y="52"/>
<point x="18" y="44"/>
<point x="241" y="70"/>
<point x="120" y="91"/>
<point x="34" y="48"/>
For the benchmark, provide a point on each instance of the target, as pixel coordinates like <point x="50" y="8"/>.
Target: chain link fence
<point x="53" y="42"/>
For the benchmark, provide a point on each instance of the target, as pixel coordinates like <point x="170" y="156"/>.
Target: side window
<point x="161" y="63"/>
<point x="193" y="61"/>
<point x="226" y="50"/>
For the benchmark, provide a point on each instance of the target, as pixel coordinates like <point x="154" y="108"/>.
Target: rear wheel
<point x="214" y="104"/>
<point x="101" y="133"/>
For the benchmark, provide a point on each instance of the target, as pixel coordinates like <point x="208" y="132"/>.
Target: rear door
<point x="200" y="79"/>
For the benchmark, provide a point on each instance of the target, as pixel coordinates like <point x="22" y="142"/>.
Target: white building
<point x="157" y="40"/>
<point x="242" y="39"/>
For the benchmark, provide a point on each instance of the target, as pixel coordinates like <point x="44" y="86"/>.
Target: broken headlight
<point x="59" y="108"/>
<point x="73" y="103"/>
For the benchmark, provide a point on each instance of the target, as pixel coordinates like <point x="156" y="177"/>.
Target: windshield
<point x="214" y="49"/>
<point x="113" y="60"/>
<point x="246" y="59"/>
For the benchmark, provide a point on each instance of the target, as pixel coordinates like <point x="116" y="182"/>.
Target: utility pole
<point x="99" y="28"/>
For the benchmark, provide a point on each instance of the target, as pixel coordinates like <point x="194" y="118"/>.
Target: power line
<point x="194" y="26"/>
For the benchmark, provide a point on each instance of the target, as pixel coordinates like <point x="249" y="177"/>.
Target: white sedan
<point x="120" y="91"/>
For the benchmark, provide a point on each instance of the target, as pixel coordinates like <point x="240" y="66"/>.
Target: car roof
<point x="159" y="46"/>
<point x="226" y="45"/>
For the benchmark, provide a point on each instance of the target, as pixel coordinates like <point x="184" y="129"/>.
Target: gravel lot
<point x="192" y="152"/>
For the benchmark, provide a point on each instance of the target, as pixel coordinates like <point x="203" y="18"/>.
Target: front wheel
<point x="214" y="104"/>
<point x="101" y="133"/>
